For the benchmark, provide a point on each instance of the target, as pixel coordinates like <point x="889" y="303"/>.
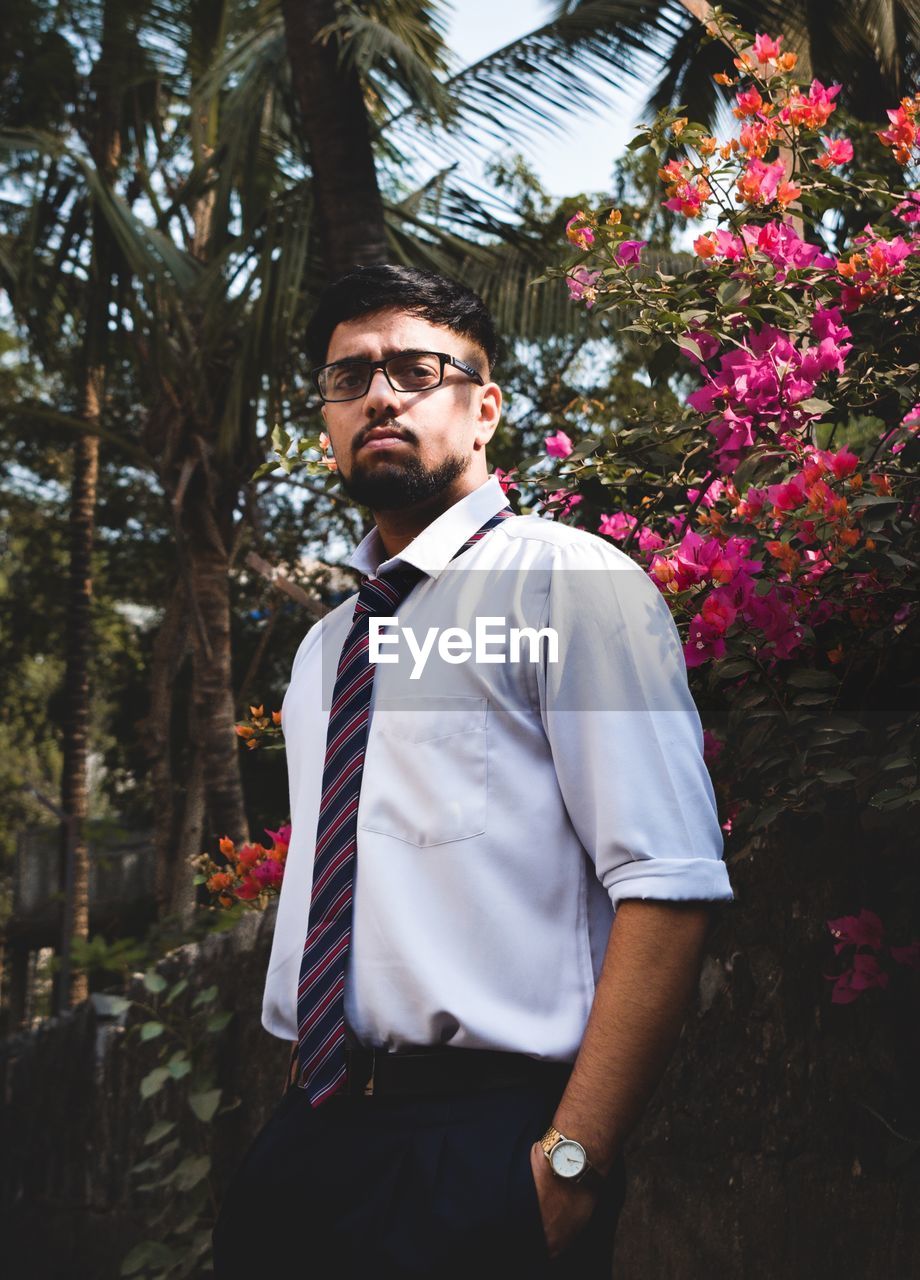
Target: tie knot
<point x="382" y="594"/>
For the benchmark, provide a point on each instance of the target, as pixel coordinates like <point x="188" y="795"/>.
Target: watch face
<point x="568" y="1158"/>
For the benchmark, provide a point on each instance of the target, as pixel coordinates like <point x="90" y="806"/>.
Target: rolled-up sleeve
<point x="625" y="733"/>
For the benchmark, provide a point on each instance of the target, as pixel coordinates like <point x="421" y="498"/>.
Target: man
<point x="497" y="868"/>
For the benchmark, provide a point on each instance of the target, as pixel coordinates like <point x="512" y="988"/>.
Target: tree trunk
<point x="348" y="203"/>
<point x="169" y="649"/>
<point x="206" y="532"/>
<point x="74" y="782"/>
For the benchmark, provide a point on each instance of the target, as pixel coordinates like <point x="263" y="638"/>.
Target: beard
<point x="392" y="486"/>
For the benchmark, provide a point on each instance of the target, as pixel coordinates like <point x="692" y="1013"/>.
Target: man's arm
<point x="650" y="972"/>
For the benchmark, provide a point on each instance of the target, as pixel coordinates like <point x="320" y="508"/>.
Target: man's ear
<point x="490" y="412"/>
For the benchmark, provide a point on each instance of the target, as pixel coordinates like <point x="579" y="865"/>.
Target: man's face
<point x="398" y="449"/>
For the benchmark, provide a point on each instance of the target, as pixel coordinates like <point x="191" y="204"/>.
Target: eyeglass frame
<point x="373" y="365"/>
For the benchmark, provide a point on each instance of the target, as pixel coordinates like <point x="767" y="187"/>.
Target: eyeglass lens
<point x="411" y="371"/>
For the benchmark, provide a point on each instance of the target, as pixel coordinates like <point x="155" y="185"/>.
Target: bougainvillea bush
<point x="778" y="514"/>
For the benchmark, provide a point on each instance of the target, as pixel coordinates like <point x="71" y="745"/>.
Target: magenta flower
<point x="704" y="644"/>
<point x="836" y="151"/>
<point x="558" y="445"/>
<point x="504" y="478"/>
<point x="617" y="526"/>
<point x="766" y="49"/>
<point x="629" y="252"/>
<point x="580" y="282"/>
<point x="865" y="973"/>
<point x="281" y="836"/>
<point x="864" y="930"/>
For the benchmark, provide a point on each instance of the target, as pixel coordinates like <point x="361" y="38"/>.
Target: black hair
<point x="389" y="288"/>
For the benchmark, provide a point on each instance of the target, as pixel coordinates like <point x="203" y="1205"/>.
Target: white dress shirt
<point x="506" y="808"/>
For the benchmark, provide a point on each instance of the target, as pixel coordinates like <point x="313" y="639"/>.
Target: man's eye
<point x="347" y="379"/>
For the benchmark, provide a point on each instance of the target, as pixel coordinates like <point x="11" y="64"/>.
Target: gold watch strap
<point x="589" y="1175"/>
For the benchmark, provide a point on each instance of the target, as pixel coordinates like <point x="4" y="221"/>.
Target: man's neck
<point x="398" y="528"/>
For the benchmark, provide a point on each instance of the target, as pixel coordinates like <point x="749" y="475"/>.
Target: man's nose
<point x="380" y="395"/>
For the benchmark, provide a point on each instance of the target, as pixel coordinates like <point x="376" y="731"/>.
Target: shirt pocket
<point x="426" y="771"/>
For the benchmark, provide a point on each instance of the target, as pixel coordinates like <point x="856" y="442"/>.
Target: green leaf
<point x="154" y="982"/>
<point x="814" y="405"/>
<point x="813" y="697"/>
<point x="158" y="1131"/>
<point x="690" y="346"/>
<point x="733" y="667"/>
<point x="178" y="1068"/>
<point x="153" y="1081"/>
<point x="836" y="775"/>
<point x="180" y="986"/>
<point x="150" y="1253"/>
<point x="811" y="679"/>
<point x="150" y="1030"/>
<point x="732" y="292"/>
<point x="205" y="1104"/>
<point x="766" y="816"/>
<point x="217" y="1021"/>
<point x="885" y="799"/>
<point x="191" y="1171"/>
<point x="207" y="996"/>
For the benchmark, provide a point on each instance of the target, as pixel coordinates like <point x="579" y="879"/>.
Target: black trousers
<point x="423" y="1188"/>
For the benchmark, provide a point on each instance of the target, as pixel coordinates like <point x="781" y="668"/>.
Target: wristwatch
<point x="568" y="1159"/>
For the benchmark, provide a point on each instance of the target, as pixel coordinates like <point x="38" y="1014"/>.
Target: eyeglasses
<point x="406" y="371"/>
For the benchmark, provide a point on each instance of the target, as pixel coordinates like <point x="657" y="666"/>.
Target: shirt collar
<point x="432" y="549"/>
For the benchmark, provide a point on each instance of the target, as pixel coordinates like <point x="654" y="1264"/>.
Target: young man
<point x="498" y="867"/>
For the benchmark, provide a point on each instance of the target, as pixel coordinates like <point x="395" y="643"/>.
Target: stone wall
<point x="782" y="1143"/>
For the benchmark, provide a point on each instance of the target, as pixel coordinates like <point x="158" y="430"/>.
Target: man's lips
<point x="383" y="438"/>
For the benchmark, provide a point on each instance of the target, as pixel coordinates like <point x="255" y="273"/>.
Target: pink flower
<point x="577" y="232"/>
<point x="766" y="49"/>
<point x="559" y="445"/>
<point x="628" y="253"/>
<point x="836" y="151"/>
<point x="567" y="501"/>
<point x="704" y="644"/>
<point x="582" y="285"/>
<point x="617" y="526"/>
<point x="864" y="930"/>
<point x="909" y="210"/>
<point x="269" y="873"/>
<point x="649" y="540"/>
<point x="504" y="478"/>
<point x="281" y="836"/>
<point x="712" y="747"/>
<point x="712" y="495"/>
<point x="866" y="972"/>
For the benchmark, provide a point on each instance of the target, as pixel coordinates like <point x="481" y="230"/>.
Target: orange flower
<point x="222" y="880"/>
<point x="244" y="730"/>
<point x="226" y="846"/>
<point x="849" y="537"/>
<point x="835" y="655"/>
<point x="707" y="146"/>
<point x="786" y="61"/>
<point x="721" y="78"/>
<point x="255" y="712"/>
<point x="704" y="246"/>
<point x="276" y="717"/>
<point x="881" y="484"/>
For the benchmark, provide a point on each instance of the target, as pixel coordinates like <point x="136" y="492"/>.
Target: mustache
<point x="385" y="420"/>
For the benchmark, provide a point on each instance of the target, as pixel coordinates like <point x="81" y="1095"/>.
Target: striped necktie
<point x="321" y="989"/>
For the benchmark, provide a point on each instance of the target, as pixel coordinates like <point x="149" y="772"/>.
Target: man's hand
<point x="565" y="1209"/>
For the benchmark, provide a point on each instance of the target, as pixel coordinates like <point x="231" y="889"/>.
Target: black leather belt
<point x="424" y="1072"/>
